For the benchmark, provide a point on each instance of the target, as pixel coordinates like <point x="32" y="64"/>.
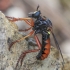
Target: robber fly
<point x="42" y="26"/>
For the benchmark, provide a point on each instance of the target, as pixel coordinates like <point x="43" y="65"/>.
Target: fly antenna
<point x="37" y="7"/>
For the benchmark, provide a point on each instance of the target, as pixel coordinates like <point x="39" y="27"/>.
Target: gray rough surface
<point x="8" y="59"/>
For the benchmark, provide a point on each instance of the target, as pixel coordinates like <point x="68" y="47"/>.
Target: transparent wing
<point x="57" y="45"/>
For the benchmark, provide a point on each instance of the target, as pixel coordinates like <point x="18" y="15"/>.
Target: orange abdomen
<point x="46" y="50"/>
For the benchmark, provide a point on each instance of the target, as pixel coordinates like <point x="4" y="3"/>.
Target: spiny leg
<point x="21" y="39"/>
<point x="24" y="54"/>
<point x="26" y="29"/>
<point x="37" y="41"/>
<point x="29" y="51"/>
<point x="29" y="21"/>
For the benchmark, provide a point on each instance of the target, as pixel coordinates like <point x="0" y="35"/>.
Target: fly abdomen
<point x="44" y="52"/>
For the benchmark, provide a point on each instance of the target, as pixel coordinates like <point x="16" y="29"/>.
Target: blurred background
<point x="58" y="11"/>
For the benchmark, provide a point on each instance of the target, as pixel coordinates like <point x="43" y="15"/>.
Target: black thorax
<point x="40" y="26"/>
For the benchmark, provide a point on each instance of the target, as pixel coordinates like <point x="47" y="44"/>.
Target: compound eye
<point x="35" y="12"/>
<point x="30" y="14"/>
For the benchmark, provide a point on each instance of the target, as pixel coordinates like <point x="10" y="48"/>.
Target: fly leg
<point x="29" y="21"/>
<point x="29" y="51"/>
<point x="26" y="29"/>
<point x="20" y="39"/>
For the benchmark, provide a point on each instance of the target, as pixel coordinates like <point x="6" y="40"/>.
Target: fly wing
<point x="57" y="45"/>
